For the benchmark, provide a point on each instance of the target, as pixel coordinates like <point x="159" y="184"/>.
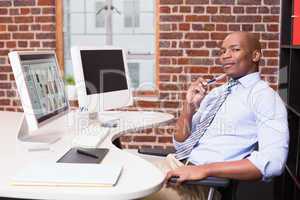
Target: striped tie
<point x="187" y="146"/>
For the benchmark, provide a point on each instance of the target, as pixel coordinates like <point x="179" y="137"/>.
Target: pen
<point x="86" y="153"/>
<point x="216" y="79"/>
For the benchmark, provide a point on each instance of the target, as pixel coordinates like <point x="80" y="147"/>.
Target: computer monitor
<point x="101" y="77"/>
<point x="41" y="91"/>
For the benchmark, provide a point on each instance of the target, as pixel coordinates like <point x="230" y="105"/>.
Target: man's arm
<point x="194" y="96"/>
<point x="239" y="170"/>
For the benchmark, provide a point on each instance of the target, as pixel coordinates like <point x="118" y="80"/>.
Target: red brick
<point x="175" y="9"/>
<point x="3" y="11"/>
<point x="14" y="11"/>
<point x="221" y="27"/>
<point x="272" y="62"/>
<point x="248" y="18"/>
<point x="223" y="18"/>
<point x="23" y="19"/>
<point x="48" y="27"/>
<point x="25" y="11"/>
<point x="268" y="70"/>
<point x="35" y="11"/>
<point x="270" y="36"/>
<point x="174" y="87"/>
<point x="23" y="27"/>
<point x="259" y="27"/>
<point x="2" y="94"/>
<point x="5" y="20"/>
<point x="12" y="28"/>
<point x="185" y="44"/>
<point x="144" y="138"/>
<point x="11" y="93"/>
<point x="5" y="68"/>
<point x="211" y="10"/>
<point x="263" y="10"/>
<point x="270" y="53"/>
<point x="165" y="27"/>
<point x="4" y="102"/>
<point x="197" y="36"/>
<point x="4" y="52"/>
<point x="40" y="19"/>
<point x="34" y="44"/>
<point x="251" y="10"/>
<point x="45" y="35"/>
<point x="196" y="18"/>
<point x="227" y="2"/>
<point x="238" y="10"/>
<point x="197" y="2"/>
<point x="201" y="61"/>
<point x="3" y="77"/>
<point x="164" y="78"/>
<point x="48" y="10"/>
<point x="198" y="9"/>
<point x="24" y="2"/>
<point x="16" y="103"/>
<point x="273" y="45"/>
<point x="275" y="10"/>
<point x="35" y="27"/>
<point x="171" y="36"/>
<point x="272" y="27"/>
<point x="46" y="2"/>
<point x="165" y="9"/>
<point x="184" y="27"/>
<point x="184" y="9"/>
<point x="23" y="36"/>
<point x="249" y="2"/>
<point x="218" y="36"/>
<point x="5" y="85"/>
<point x="171" y="52"/>
<point x="225" y="10"/>
<point x="49" y="44"/>
<point x="271" y="19"/>
<point x="170" y="2"/>
<point x="11" y="44"/>
<point x="202" y="70"/>
<point x="22" y="44"/>
<point x="4" y="36"/>
<point x="216" y="70"/>
<point x="164" y="61"/>
<point x="164" y="44"/>
<point x="165" y="139"/>
<point x="247" y="27"/>
<point x="197" y="52"/>
<point x="5" y="3"/>
<point x="171" y="18"/>
<point x="272" y="2"/>
<point x="170" y="69"/>
<point x="198" y="44"/>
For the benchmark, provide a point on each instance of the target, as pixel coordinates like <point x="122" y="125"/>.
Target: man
<point x="229" y="121"/>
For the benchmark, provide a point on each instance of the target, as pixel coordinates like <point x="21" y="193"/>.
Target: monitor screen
<point x="103" y="71"/>
<point x="44" y="85"/>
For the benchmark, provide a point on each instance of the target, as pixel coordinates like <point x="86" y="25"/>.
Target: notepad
<point x="67" y="174"/>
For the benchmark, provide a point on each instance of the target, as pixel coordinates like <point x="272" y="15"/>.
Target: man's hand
<point x="187" y="173"/>
<point x="196" y="92"/>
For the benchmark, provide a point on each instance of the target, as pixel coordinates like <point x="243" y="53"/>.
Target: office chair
<point x="226" y="187"/>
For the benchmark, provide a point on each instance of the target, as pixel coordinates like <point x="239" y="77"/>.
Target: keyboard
<point x="91" y="136"/>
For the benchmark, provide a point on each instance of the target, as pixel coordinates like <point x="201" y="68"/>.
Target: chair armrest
<point x="155" y="152"/>
<point x="209" y="181"/>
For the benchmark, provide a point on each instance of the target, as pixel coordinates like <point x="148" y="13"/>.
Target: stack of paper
<point x="68" y="174"/>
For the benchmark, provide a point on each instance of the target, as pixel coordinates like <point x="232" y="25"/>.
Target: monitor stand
<point x="39" y="138"/>
<point x="105" y="119"/>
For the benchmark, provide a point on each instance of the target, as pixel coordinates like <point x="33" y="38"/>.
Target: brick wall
<point x="189" y="32"/>
<point x="24" y="25"/>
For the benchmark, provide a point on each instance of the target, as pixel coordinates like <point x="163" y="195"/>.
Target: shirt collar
<point x="249" y="79"/>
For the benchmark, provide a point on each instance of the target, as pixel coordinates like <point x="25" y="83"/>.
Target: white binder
<point x="68" y="174"/>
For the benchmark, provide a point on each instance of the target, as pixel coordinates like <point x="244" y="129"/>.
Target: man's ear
<point x="256" y="56"/>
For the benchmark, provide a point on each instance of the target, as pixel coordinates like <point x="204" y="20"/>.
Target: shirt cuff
<point x="260" y="163"/>
<point x="176" y="143"/>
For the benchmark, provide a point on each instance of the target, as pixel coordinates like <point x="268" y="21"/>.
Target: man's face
<point x="236" y="56"/>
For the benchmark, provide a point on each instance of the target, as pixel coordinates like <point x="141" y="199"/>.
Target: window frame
<point x="60" y="45"/>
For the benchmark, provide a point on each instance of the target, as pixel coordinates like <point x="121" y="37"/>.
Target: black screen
<point x="103" y="71"/>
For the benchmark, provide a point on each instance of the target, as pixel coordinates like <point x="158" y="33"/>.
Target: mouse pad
<point x="72" y="156"/>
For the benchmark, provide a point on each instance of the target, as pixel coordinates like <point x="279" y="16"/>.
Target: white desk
<point x="139" y="177"/>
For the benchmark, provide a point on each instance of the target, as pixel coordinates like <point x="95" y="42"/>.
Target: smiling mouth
<point x="228" y="65"/>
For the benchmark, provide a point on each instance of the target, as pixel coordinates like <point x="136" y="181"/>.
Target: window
<point x="121" y="23"/>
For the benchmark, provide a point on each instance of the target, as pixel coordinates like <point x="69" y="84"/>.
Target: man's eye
<point x="235" y="49"/>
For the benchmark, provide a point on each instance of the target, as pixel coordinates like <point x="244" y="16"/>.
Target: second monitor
<point x="101" y="77"/>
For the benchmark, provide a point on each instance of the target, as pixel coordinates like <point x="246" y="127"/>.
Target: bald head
<point x="249" y="40"/>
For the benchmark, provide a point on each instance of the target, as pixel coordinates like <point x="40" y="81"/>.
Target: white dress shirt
<point x="253" y="112"/>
